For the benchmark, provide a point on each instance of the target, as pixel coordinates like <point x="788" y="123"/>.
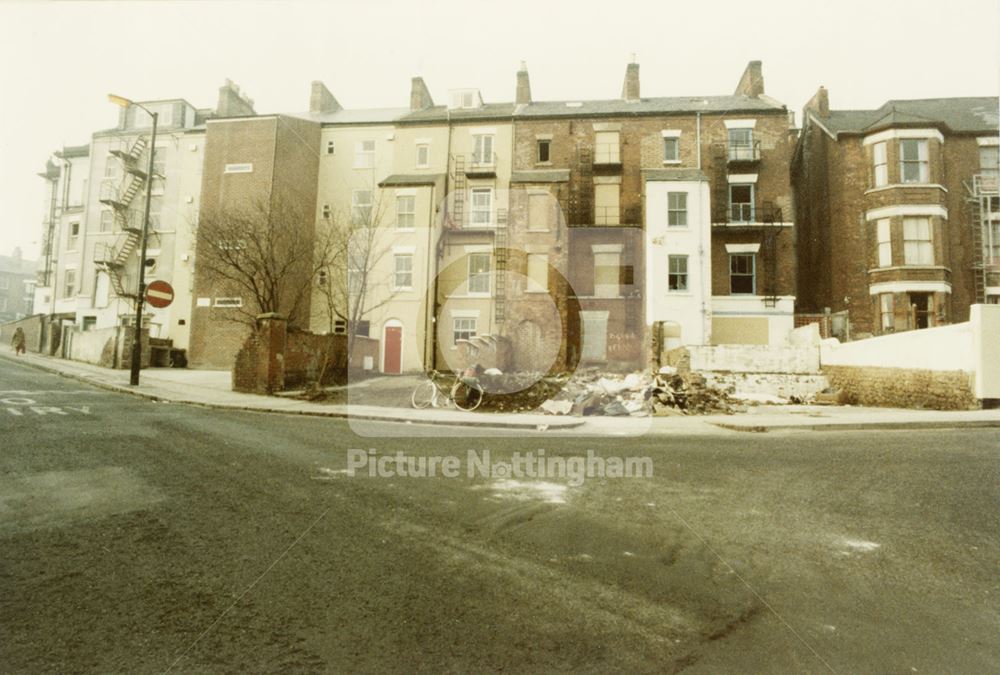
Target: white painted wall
<point x="985" y="320"/>
<point x="690" y="308"/>
<point x="780" y="317"/>
<point x="941" y="348"/>
<point x="755" y="359"/>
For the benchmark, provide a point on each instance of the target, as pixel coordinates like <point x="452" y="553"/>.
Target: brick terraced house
<point x="898" y="211"/>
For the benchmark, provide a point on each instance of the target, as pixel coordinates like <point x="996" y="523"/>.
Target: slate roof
<point x="968" y="114"/>
<point x="649" y="106"/>
<point x="540" y="176"/>
<point x="355" y="116"/>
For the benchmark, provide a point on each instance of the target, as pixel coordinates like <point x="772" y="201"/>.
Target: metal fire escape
<point x="984" y="208"/>
<point x="120" y="198"/>
<point x="581" y="190"/>
<point x="770" y="218"/>
<point x="501" y="254"/>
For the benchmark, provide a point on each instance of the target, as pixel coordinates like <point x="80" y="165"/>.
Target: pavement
<point x="212" y="388"/>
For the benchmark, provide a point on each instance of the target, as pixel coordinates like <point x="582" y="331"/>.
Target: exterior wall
<point x="34" y="330"/>
<point x="282" y="152"/>
<point x="904" y="388"/>
<point x="840" y="207"/>
<point x="17" y="279"/>
<point x="742" y="319"/>
<point x="690" y="309"/>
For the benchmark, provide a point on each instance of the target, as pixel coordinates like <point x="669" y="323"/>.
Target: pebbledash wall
<point x="953" y="367"/>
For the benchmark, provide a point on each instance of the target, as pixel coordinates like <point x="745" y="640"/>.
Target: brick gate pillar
<point x="272" y="332"/>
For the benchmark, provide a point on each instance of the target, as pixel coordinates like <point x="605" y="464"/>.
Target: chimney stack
<point x="232" y="103"/>
<point x="420" y="95"/>
<point x="523" y="94"/>
<point x="630" y="89"/>
<point x="819" y="104"/>
<point x="321" y="100"/>
<point x="752" y="82"/>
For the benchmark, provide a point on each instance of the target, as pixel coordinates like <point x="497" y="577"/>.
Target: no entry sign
<point x="159" y="294"/>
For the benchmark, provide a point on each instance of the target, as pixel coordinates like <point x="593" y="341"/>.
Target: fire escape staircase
<point x="120" y="198"/>
<point x="501" y="253"/>
<point x="983" y="190"/>
<point x="581" y="189"/>
<point x="771" y="220"/>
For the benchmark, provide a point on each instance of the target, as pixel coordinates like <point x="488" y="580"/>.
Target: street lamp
<point x="141" y="297"/>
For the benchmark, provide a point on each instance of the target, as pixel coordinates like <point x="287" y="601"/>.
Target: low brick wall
<point x="904" y="387"/>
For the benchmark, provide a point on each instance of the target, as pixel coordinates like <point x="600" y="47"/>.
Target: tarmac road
<point x="148" y="537"/>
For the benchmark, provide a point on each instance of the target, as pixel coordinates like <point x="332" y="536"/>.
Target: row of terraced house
<point x="544" y="234"/>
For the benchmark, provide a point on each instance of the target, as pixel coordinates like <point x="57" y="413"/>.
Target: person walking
<point x="18" y="341"/>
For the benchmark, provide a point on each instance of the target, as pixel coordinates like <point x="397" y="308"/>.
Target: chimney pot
<point x="630" y="88"/>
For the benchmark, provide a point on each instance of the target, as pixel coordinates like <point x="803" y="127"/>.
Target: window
<point x="363" y="328"/>
<point x="606" y="149"/>
<point x="677" y="273"/>
<point x="884" y="242"/>
<point x="339" y="327"/>
<point x="538" y="272"/>
<point x="741" y="145"/>
<point x="423" y="155"/>
<point x="918" y="249"/>
<point x="74" y="232"/>
<point x="606" y="205"/>
<point x="326" y="212"/>
<point x="479" y="273"/>
<point x="406" y="209"/>
<point x="69" y="283"/>
<point x="481" y="214"/>
<point x="463" y="329"/>
<point x="330" y="147"/>
<point x="155" y="208"/>
<point x="89" y="323"/>
<point x="482" y="152"/>
<point x="671" y="149"/>
<point x="881" y="164"/>
<point x="544" y="145"/>
<point x="361" y="207"/>
<point x="913" y="161"/>
<point x="885" y="312"/>
<point x="111" y="167"/>
<point x="742" y="273"/>
<point x="364" y="154"/>
<point x="539" y="209"/>
<point x="677" y="209"/>
<point x="741" y="202"/>
<point x="402" y="272"/>
<point x="160" y="162"/>
<point x="107" y="220"/>
<point x="607" y="272"/>
<point x="992" y="242"/>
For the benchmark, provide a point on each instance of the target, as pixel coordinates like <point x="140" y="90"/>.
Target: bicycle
<point x="465" y="394"/>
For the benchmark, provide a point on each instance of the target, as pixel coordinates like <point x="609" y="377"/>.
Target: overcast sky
<point x="60" y="59"/>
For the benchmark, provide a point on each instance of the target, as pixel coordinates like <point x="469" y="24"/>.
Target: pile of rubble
<point x="667" y="393"/>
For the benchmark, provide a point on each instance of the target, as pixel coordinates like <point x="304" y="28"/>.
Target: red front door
<point x="393" y="349"/>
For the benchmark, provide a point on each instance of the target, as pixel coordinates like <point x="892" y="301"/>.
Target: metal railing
<point x="986" y="182"/>
<point x="742" y="213"/>
<point x="743" y="151"/>
<point x="480" y="161"/>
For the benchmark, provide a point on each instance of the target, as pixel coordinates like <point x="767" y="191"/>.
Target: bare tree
<point x="267" y="252"/>
<point x="353" y="280"/>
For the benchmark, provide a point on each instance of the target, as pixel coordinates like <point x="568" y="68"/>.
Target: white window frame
<point x="109" y="215"/>
<point x="476" y="212"/>
<point x="483" y="149"/>
<point x="922" y="162"/>
<point x="886" y="309"/>
<point x="69" y="282"/>
<point x="539" y="142"/>
<point x="425" y="148"/>
<point x="402" y="276"/>
<point x="358" y="215"/>
<point x="752" y="275"/>
<point x="406" y="212"/>
<point x="883" y="234"/>
<point x="743" y="211"/>
<point x="605" y="213"/>
<point x="364" y="157"/>
<point x="677" y="213"/>
<point x="607" y="147"/>
<point x="682" y="275"/>
<point x="668" y="143"/>
<point x="918" y="241"/>
<point x="463" y="328"/>
<point x="740" y="143"/>
<point x="480" y="282"/>
<point x="880" y="164"/>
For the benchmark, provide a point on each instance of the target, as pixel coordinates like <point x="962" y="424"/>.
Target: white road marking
<point x="49" y="410"/>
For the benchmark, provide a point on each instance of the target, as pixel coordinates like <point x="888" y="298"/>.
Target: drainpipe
<point x="697" y="122"/>
<point x="430" y="285"/>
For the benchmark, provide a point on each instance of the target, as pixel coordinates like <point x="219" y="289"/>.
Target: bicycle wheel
<point x="423" y="395"/>
<point x="466" y="397"/>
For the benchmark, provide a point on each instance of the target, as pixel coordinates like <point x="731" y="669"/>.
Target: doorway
<point x="392" y="349"/>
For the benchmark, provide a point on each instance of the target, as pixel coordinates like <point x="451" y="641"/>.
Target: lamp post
<point x="141" y="296"/>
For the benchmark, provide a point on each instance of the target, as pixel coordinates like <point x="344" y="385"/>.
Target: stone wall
<point x="755" y="359"/>
<point x="904" y="388"/>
